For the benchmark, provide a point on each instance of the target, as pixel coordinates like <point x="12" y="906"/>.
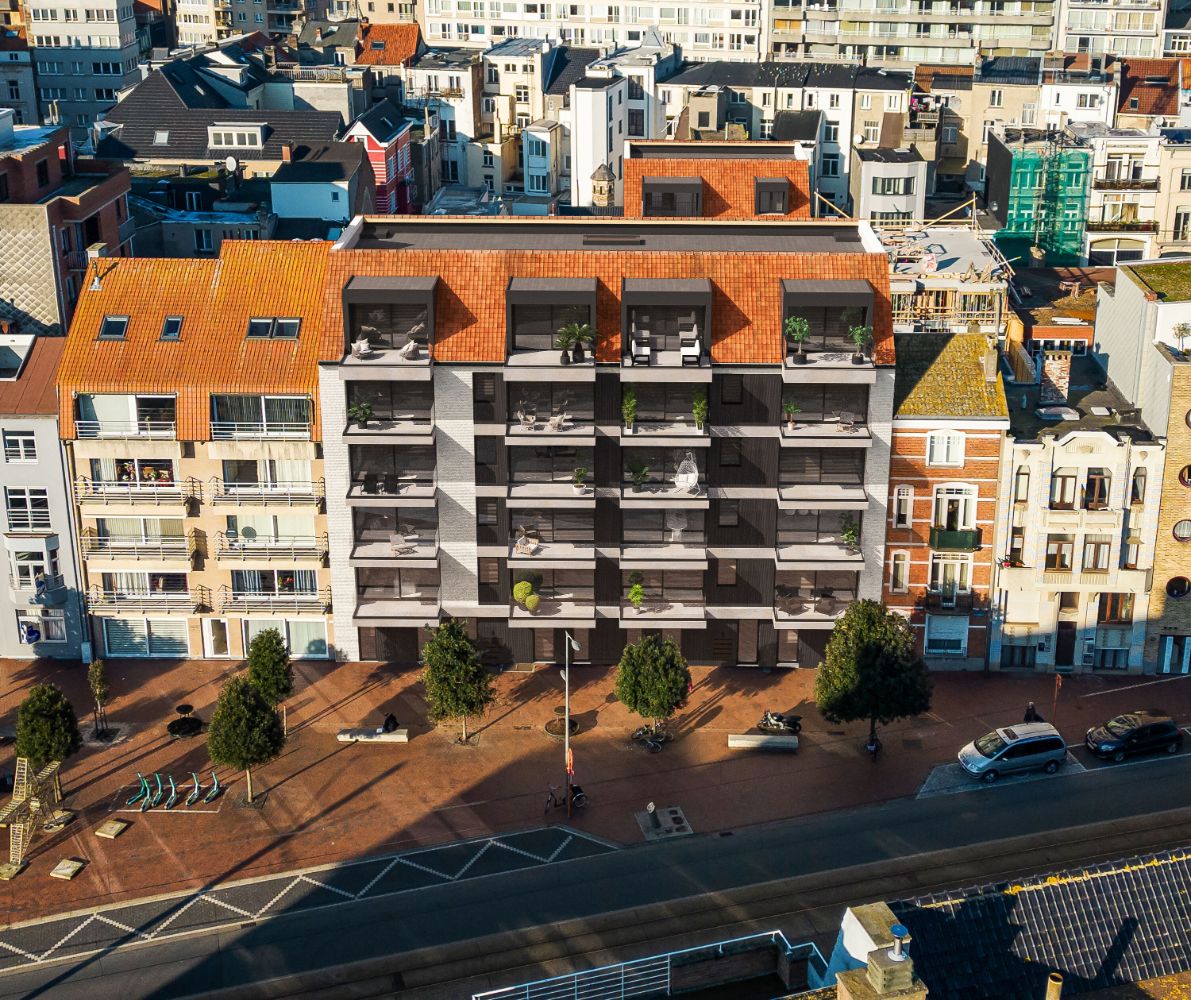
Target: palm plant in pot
<point x="849" y="529"/>
<point x="860" y="336"/>
<point x="638" y="473"/>
<point x="628" y="408"/>
<point x="791" y="410"/>
<point x="636" y="591"/>
<point x="564" y="340"/>
<point x="579" y="480"/>
<point x="798" y="332"/>
<point x="361" y="413"/>
<point x="699" y="408"/>
<point x="580" y="335"/>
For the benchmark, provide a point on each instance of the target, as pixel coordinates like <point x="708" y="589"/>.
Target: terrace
<point x="390" y="328"/>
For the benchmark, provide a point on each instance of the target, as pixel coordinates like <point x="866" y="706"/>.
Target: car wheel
<point x="1051" y="766"/>
<point x="1118" y="756"/>
<point x="1172" y="747"/>
<point x="989" y="777"/>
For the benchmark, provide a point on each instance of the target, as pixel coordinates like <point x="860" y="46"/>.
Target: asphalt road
<point x="444" y="914"/>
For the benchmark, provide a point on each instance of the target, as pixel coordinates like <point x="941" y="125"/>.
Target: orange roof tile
<point x="216" y="299"/>
<point x="728" y="190"/>
<point x="398" y="44"/>
<point x="1152" y="98"/>
<point x="34" y="392"/>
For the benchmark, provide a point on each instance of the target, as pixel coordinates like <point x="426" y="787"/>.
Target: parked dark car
<point x="1143" y="731"/>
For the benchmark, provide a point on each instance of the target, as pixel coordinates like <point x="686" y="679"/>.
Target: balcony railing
<point x="963" y="540"/>
<point x="88" y="491"/>
<point x="158" y="547"/>
<point x="949" y="599"/>
<point x="233" y="430"/>
<point x="245" y="600"/>
<point x="289" y="493"/>
<point x="284" y="547"/>
<point x="1125" y="183"/>
<point x="1134" y="226"/>
<point x="89" y="429"/>
<point x="45" y="590"/>
<point x="28" y="520"/>
<point x="186" y="601"/>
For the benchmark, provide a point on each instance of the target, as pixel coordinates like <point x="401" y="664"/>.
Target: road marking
<point x="1134" y="687"/>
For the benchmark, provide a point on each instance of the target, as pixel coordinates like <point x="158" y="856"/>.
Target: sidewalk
<point x="329" y="801"/>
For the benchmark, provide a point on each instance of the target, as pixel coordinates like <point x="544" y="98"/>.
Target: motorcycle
<point x="776" y="722"/>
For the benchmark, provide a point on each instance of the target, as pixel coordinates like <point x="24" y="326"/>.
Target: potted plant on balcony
<point x="699" y="409"/>
<point x="798" y="332"/>
<point x="638" y="473"/>
<point x="628" y="408"/>
<point x="849" y="529"/>
<point x="860" y="336"/>
<point x="636" y="595"/>
<point x="579" y="481"/>
<point x="523" y="594"/>
<point x="564" y="340"/>
<point x="361" y="413"/>
<point x="580" y="335"/>
<point x="791" y="410"/>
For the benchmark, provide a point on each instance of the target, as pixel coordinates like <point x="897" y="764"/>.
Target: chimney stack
<point x="1056" y="377"/>
<point x="888" y="970"/>
<point x="287" y="152"/>
<point x="989" y="360"/>
<point x="1054" y="986"/>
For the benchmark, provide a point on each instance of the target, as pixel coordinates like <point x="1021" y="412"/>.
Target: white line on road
<point x="1131" y="687"/>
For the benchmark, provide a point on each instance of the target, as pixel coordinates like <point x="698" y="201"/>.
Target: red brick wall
<point x="908" y="468"/>
<point x="21" y="169"/>
<point x="728" y="191"/>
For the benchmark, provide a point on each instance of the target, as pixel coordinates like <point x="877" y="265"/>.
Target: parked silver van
<point x="1031" y="746"/>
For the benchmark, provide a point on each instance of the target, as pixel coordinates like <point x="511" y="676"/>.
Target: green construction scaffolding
<point x="1047" y="209"/>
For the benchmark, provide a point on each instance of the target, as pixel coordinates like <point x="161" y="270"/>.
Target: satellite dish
<point x="232" y="164"/>
<point x="858" y="138"/>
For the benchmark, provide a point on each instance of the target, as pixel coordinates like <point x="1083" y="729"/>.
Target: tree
<point x="871" y="670"/>
<point x="653" y="679"/>
<point x="245" y="731"/>
<point x="457" y="683"/>
<point x="269" y="667"/>
<point x="101" y="693"/>
<point x="47" y="728"/>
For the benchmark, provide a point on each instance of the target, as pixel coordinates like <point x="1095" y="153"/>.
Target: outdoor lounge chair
<point x="641" y="352"/>
<point x="371" y="483"/>
<point x="392" y="483"/>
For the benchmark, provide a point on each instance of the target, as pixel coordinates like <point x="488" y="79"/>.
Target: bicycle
<point x="652" y="734"/>
<point x="555" y="800"/>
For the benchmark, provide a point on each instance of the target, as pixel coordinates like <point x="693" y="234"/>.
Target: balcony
<point x="825" y="555"/>
<point x="415" y="610"/>
<point x="96" y="429"/>
<point x="47" y="591"/>
<point x="666" y="326"/>
<point x="394" y="317"/>
<point x="243" y="601"/>
<point x="138" y="548"/>
<point x="818" y="610"/>
<point x="526" y="550"/>
<point x="101" y="601"/>
<point x="822" y="496"/>
<point x="1120" y="226"/>
<point x="1102" y="183"/>
<point x="287" y="494"/>
<point x="287" y="548"/>
<point x="28" y="521"/>
<point x="127" y="229"/>
<point x="392" y="489"/>
<point x="283" y="430"/>
<point x="844" y="430"/>
<point x="949" y="599"/>
<point x="562" y="610"/>
<point x="687" y="610"/>
<point x="409" y="429"/>
<point x="408" y="546"/>
<point x="678" y="553"/>
<point x="94" y="492"/>
<point x="963" y="540"/>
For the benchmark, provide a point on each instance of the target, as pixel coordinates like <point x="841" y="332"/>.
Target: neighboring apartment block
<point x="1123" y="27"/>
<point x="1143" y="330"/>
<point x="56" y="211"/>
<point x="188" y="408"/>
<point x="491" y="481"/>
<point x="41" y="607"/>
<point x="18" y="89"/>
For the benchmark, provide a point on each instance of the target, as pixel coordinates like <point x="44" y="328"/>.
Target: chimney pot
<point x="1054" y="986"/>
<point x="287" y="152"/>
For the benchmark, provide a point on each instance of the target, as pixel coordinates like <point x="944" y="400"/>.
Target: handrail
<point x="260" y="601"/>
<point x="137" y="546"/>
<point x="28" y="520"/>
<point x="136" y="491"/>
<point x="297" y="491"/>
<point x="195" y="597"/>
<point x="272" y="547"/>
<point x="232" y="430"/>
<point x="88" y="429"/>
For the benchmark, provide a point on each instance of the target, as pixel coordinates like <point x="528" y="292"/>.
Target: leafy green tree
<point x="871" y="670"/>
<point x="457" y="684"/>
<point x="269" y="667"/>
<point x="245" y="731"/>
<point x="47" y="728"/>
<point x="101" y="693"/>
<point x="653" y="680"/>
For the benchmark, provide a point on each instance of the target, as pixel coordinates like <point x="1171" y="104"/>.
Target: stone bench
<point x="762" y="741"/>
<point x="371" y="734"/>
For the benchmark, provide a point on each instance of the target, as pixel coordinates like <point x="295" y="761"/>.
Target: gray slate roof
<point x="568" y="65"/>
<point x="175" y="99"/>
<point x="789" y="74"/>
<point x="328" y="161"/>
<point x="802" y="125"/>
<point x="336" y="34"/>
<point x="384" y="120"/>
<point x="1113" y="923"/>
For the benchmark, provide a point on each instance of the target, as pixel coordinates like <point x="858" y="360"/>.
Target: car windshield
<point x="1122" y="725"/>
<point x="990" y="745"/>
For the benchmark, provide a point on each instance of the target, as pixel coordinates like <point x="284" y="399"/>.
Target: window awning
<point x="805" y="292"/>
<point x="674" y="183"/>
<point x="389" y="288"/>
<point x="666" y="291"/>
<point x="551" y="291"/>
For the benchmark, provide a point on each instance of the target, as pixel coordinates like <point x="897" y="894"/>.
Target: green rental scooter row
<point x="149" y="797"/>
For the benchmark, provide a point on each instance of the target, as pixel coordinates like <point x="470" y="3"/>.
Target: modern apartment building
<point x="493" y="482"/>
<point x="56" y="211"/>
<point x="1081" y="479"/>
<point x="1143" y="330"/>
<point x="1124" y="27"/>
<point x="84" y="57"/>
<point x="18" y="88"/>
<point x="949" y="424"/>
<point x="40" y="607"/>
<point x="188" y="409"/>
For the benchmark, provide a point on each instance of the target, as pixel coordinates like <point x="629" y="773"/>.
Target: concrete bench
<point x="370" y="734"/>
<point x="762" y="741"/>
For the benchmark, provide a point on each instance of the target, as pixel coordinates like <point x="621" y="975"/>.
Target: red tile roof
<point x="398" y="44"/>
<point x="216" y="299"/>
<point x="728" y="191"/>
<point x="1152" y="98"/>
<point x="35" y="392"/>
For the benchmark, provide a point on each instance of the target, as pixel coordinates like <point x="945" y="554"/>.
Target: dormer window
<point x="171" y="328"/>
<point x="113" y="328"/>
<point x="273" y="328"/>
<point x="233" y="136"/>
<point x="161" y="138"/>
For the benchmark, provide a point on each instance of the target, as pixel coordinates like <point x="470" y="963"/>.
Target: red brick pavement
<point x="329" y="801"/>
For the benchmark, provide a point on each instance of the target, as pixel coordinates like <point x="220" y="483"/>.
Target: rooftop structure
<point x="948" y="375"/>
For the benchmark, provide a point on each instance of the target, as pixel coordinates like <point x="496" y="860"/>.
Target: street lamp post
<point x="569" y="644"/>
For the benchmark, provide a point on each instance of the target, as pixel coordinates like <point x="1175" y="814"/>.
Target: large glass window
<point x="799" y="528"/>
<point x="950" y="574"/>
<point x="818" y="403"/>
<point x="660" y="465"/>
<point x="804" y="466"/>
<point x="548" y="464"/>
<point x="27" y="509"/>
<point x="407" y="584"/>
<point x="671" y="527"/>
<point x="406" y="463"/>
<point x="663" y="326"/>
<point x="403" y="401"/>
<point x="671" y="586"/>
<point x="130" y="471"/>
<point x="534" y="326"/>
<point x="380" y="524"/>
<point x="569" y="526"/>
<point x="390" y="327"/>
<point x="542" y="400"/>
<point x="955" y="508"/>
<point x="274" y="581"/>
<point x="829" y="326"/>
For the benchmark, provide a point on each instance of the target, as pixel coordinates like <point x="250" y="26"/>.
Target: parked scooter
<point x="776" y="722"/>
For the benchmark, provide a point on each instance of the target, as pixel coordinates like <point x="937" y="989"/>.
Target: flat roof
<point x="25" y="137"/>
<point x="956" y="250"/>
<point x="887" y="154"/>
<point x="709" y="149"/>
<point x="1171" y="282"/>
<point x="1089" y="388"/>
<point x="601" y="235"/>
